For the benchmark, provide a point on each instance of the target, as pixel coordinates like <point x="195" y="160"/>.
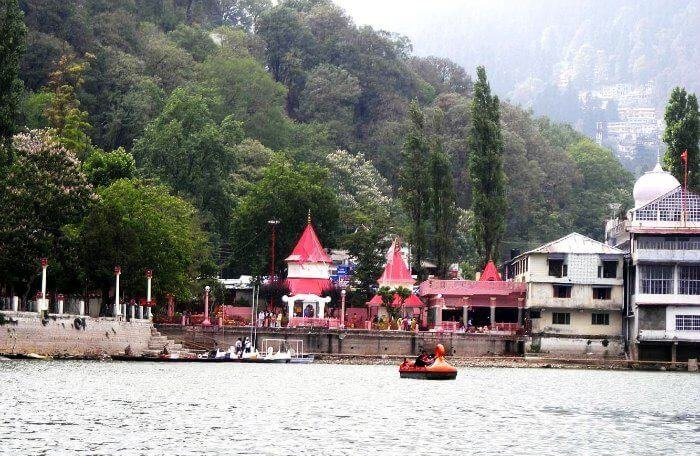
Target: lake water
<point x="82" y="407"/>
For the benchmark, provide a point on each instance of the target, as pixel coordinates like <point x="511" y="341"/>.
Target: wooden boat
<point x="437" y="370"/>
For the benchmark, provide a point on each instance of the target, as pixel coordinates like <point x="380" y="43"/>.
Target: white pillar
<point x="133" y="311"/>
<point x="59" y="305"/>
<point x="81" y="307"/>
<point x="42" y="303"/>
<point x="321" y="309"/>
<point x="141" y="312"/>
<point x="15" y="303"/>
<point x="117" y="307"/>
<point x="149" y="276"/>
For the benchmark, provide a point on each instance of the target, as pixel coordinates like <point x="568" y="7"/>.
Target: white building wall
<point x="308" y="271"/>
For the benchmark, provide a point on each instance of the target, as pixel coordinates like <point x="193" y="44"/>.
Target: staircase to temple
<point x="158" y="341"/>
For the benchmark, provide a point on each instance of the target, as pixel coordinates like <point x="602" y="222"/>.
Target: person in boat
<point x="247" y="345"/>
<point x="424" y="359"/>
<point x="165" y="352"/>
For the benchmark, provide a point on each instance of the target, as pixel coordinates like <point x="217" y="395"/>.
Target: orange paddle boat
<point x="439" y="369"/>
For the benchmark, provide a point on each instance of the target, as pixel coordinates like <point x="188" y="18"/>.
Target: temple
<point x="486" y="304"/>
<point x="308" y="277"/>
<point x="396" y="274"/>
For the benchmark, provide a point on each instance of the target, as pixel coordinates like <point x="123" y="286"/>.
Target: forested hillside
<point x="250" y="112"/>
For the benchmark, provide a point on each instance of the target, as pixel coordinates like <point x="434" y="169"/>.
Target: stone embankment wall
<point x="58" y="335"/>
<point x="355" y="342"/>
<point x="572" y="346"/>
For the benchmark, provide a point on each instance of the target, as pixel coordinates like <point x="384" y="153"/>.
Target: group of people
<point x="269" y="319"/>
<point x="402" y="323"/>
<point x="243" y="346"/>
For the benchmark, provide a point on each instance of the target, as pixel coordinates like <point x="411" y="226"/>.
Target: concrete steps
<point x="158" y="341"/>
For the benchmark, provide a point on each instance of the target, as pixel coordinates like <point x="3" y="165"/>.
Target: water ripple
<point x="179" y="409"/>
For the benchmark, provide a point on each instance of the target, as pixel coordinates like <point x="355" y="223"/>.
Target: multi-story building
<point x="574" y="296"/>
<point x="662" y="236"/>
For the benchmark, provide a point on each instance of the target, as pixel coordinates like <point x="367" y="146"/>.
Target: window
<point x="687" y="322"/>
<point x="561" y="318"/>
<point x="557" y="268"/>
<point x="600" y="319"/>
<point x="535" y="314"/>
<point x="561" y="291"/>
<point x="657" y="279"/>
<point x="602" y="292"/>
<point x="608" y="270"/>
<point x="689" y="283"/>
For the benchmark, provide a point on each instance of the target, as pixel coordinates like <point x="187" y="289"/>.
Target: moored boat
<point x="439" y="369"/>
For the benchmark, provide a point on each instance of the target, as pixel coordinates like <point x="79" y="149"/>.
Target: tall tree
<point x="42" y="191"/>
<point x="486" y="170"/>
<point x="68" y="122"/>
<point x="443" y="208"/>
<point x="414" y="188"/>
<point x="140" y="226"/>
<point x="13" y="32"/>
<point x="682" y="133"/>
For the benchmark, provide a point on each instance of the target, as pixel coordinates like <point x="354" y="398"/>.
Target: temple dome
<point x="653" y="184"/>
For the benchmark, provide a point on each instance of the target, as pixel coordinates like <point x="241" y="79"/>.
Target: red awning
<point x="308" y="286"/>
<point x="411" y="301"/>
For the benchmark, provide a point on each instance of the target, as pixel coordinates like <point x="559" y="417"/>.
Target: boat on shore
<point x="439" y="369"/>
<point x="274" y="351"/>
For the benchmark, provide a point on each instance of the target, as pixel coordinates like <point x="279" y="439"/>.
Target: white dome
<point x="653" y="184"/>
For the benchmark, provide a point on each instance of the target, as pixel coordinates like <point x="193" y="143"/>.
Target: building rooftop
<point x="575" y="243"/>
<point x="309" y="248"/>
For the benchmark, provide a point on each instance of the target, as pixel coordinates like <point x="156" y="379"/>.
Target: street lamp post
<point x="273" y="223"/>
<point x="117" y="309"/>
<point x="206" y="321"/>
<point x="342" y="308"/>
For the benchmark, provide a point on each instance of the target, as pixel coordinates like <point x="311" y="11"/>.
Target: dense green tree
<point x="486" y="170"/>
<point x="194" y="40"/>
<point x="368" y="246"/>
<point x="330" y="96"/>
<point x="121" y="99"/>
<point x="185" y="147"/>
<point x="13" y="32"/>
<point x="42" y="191"/>
<point x="603" y="181"/>
<point x="140" y="226"/>
<point x="249" y="93"/>
<point x="102" y="168"/>
<point x="442" y="208"/>
<point x="288" y="49"/>
<point x="361" y="190"/>
<point x="683" y="133"/>
<point x="415" y="187"/>
<point x="286" y="192"/>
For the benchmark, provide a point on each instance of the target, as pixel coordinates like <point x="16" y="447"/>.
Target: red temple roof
<point x="316" y="287"/>
<point x="490" y="273"/>
<point x="309" y="248"/>
<point x="396" y="270"/>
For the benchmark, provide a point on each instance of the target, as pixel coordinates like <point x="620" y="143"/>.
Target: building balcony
<point x="574" y="304"/>
<point x="575" y="280"/>
<point x="665" y="299"/>
<point x="666" y="256"/>
<point x="662" y="335"/>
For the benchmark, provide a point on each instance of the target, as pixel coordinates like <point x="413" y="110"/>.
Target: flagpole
<point x="684" y="159"/>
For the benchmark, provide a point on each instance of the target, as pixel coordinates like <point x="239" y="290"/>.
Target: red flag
<point x="684" y="156"/>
